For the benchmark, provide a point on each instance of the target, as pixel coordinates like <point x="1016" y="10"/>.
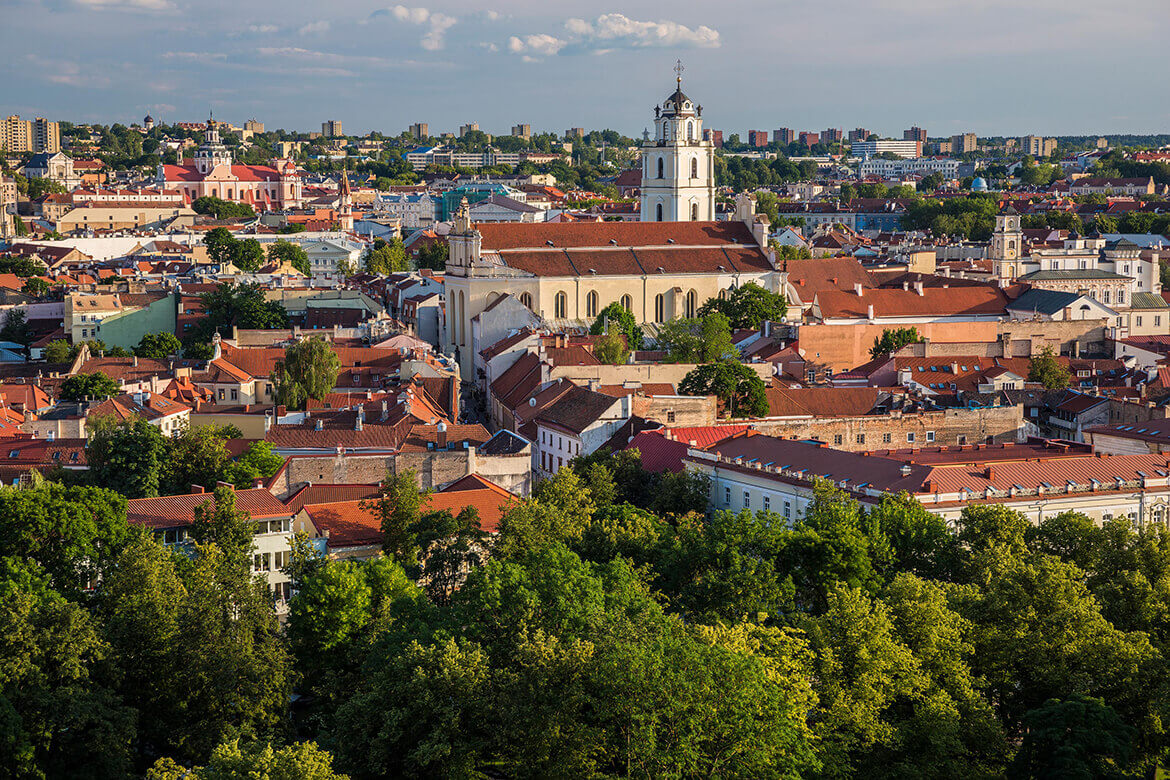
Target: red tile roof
<point x="502" y="236"/>
<point x="329" y="493"/>
<point x="175" y="511"/>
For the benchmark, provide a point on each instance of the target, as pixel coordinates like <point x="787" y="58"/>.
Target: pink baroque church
<point x="211" y="172"/>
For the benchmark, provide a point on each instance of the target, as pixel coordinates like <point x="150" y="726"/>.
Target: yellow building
<point x="18" y="136"/>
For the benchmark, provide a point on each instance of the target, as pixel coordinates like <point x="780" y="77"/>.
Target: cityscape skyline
<point x="376" y="67"/>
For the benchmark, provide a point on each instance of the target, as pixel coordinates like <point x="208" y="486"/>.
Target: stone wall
<point x="891" y="431"/>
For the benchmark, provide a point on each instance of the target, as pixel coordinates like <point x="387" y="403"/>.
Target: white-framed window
<point x="767" y="503"/>
<point x="930" y="436"/>
<point x="910" y="438"/>
<point x="747" y="500"/>
<point x="727" y="496"/>
<point x="787" y="510"/>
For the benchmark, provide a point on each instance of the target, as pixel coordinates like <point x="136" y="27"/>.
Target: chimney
<point x="136" y="361"/>
<point x="594" y="383"/>
<point x="385" y="409"/>
<point x="918" y="288"/>
<point x="318" y="424"/>
<point x="197" y="490"/>
<point x="990" y="473"/>
<point x="857" y="288"/>
<point x="906" y="469"/>
<point x="871" y="311"/>
<point x="954" y="368"/>
<point x="281" y="411"/>
<point x="441" y="436"/>
<point x="361" y="414"/>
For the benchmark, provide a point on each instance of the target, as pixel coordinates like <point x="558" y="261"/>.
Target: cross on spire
<point x="678" y="71"/>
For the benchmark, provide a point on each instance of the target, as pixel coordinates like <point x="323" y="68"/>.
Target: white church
<point x="501" y="276"/>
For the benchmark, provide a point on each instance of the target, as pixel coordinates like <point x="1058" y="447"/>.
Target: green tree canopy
<point x="893" y="339"/>
<point x="95" y="387"/>
<point x="309" y="370"/>
<point x="158" y="346"/>
<point x="1048" y="371"/>
<point x="748" y="306"/>
<point x="616" y="317"/>
<point x="739" y="388"/>
<point x="281" y="251"/>
<point x="703" y="340"/>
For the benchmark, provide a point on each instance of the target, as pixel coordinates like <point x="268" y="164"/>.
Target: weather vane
<point x="678" y="71"/>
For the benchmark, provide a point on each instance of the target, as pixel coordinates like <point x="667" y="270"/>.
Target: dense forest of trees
<point x="615" y="630"/>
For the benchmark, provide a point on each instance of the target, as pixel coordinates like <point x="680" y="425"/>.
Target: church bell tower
<point x="678" y="164"/>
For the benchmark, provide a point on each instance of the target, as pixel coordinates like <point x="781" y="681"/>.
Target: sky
<point x="993" y="67"/>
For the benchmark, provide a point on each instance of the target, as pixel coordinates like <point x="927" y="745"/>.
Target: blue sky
<point x="990" y="66"/>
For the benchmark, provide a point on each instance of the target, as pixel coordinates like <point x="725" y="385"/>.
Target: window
<point x="659" y="308"/>
<point x="692" y="303"/>
<point x="1121" y="296"/>
<point x="747" y="500"/>
<point x="930" y="436"/>
<point x="767" y="503"/>
<point x="695" y="168"/>
<point x="591" y="304"/>
<point x="628" y="303"/>
<point x="526" y="299"/>
<point x="727" y="496"/>
<point x="658" y="212"/>
<point x="670" y="415"/>
<point x="235" y="395"/>
<point x="787" y="510"/>
<point x="837" y="439"/>
<point x="660" y="175"/>
<point x="962" y="440"/>
<point x="1106" y="517"/>
<point x="860" y="438"/>
<point x="910" y="438"/>
<point x="561" y="305"/>
<point x="886" y="438"/>
<point x="694" y="212"/>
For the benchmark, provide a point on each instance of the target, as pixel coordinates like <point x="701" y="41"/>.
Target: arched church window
<point x="692" y="303"/>
<point x="690" y="131"/>
<point x="694" y="167"/>
<point x="659" y="308"/>
<point x="694" y="212"/>
<point x="628" y="303"/>
<point x="561" y="305"/>
<point x="658" y="212"/>
<point x="526" y="299"/>
<point x="661" y="168"/>
<point x="591" y="304"/>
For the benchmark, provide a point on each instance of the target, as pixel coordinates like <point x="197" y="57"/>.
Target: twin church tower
<point x="678" y="164"/>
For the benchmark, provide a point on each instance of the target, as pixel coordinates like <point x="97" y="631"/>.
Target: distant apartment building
<point x="757" y="138"/>
<point x="860" y="134"/>
<point x="808" y="138"/>
<point x="522" y="131"/>
<point x="906" y="149"/>
<point x="331" y="129"/>
<point x="832" y="135"/>
<point x="784" y="136"/>
<point x="470" y="127"/>
<point x="577" y="133"/>
<point x="420" y="130"/>
<point x="914" y="134"/>
<point x="964" y="143"/>
<point x="252" y="126"/>
<point x="1038" y="146"/>
<point x="897" y="168"/>
<point x="716" y="137"/>
<point x="18" y="136"/>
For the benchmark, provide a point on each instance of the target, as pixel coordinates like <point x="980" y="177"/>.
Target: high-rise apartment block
<point x="860" y="134"/>
<point x="783" y="136"/>
<point x="1038" y="146"/>
<point x="716" y="137"/>
<point x="252" y="126"/>
<point x="470" y="127"/>
<point x="331" y="129"/>
<point x="966" y="142"/>
<point x="832" y="135"/>
<point x="420" y="130"/>
<point x="914" y="134"/>
<point x="575" y="132"/>
<point x="757" y="139"/>
<point x="20" y="135"/>
<point x="809" y="139"/>
<point x="522" y="131"/>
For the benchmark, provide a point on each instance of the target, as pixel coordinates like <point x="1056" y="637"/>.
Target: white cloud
<point x="262" y="29"/>
<point x="614" y="31"/>
<point x="437" y="23"/>
<point x="314" y="27"/>
<point x="195" y="56"/>
<point x="539" y="44"/>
